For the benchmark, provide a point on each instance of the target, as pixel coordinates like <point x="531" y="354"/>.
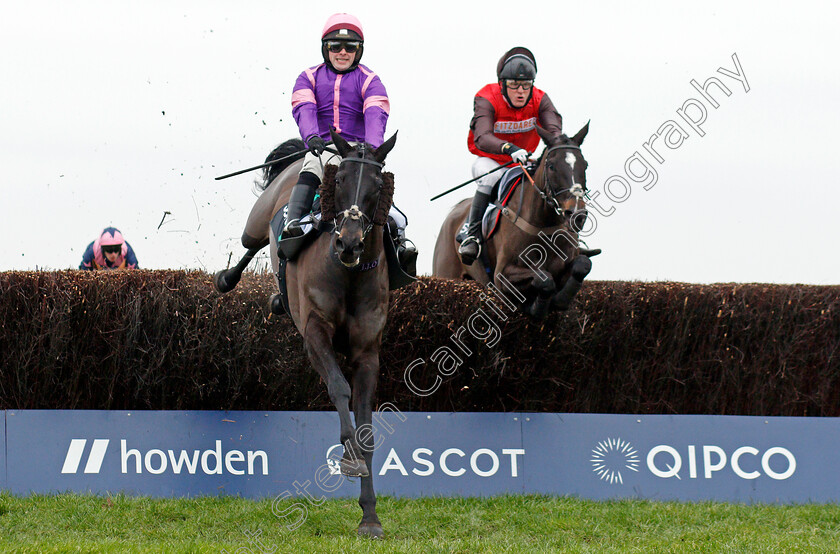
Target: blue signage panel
<point x="295" y="454"/>
<point x="256" y="454"/>
<point x="450" y="454"/>
<point x="2" y="450"/>
<point x="725" y="458"/>
<point x="158" y="453"/>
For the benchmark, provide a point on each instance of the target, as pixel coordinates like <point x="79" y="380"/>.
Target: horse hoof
<point x="539" y="312"/>
<point x="354" y="468"/>
<point x="222" y="283"/>
<point x="581" y="268"/>
<point x="276" y="305"/>
<point x="371" y="530"/>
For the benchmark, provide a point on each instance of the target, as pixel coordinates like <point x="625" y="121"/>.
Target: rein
<point x="354" y="213"/>
<point x="548" y="196"/>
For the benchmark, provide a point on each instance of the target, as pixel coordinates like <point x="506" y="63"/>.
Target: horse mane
<point x="284" y="149"/>
<point x="327" y="192"/>
<point x="561" y="140"/>
<point x="386" y="199"/>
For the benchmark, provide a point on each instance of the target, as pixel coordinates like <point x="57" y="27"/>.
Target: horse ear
<point x="380" y="153"/>
<point x="578" y="138"/>
<point x="342" y="145"/>
<point x="547" y="137"/>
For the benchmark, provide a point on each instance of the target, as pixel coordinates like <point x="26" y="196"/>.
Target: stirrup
<point x="407" y="257"/>
<point x="468" y="239"/>
<point x="406" y="245"/>
<point x="462" y="253"/>
<point x="292" y="229"/>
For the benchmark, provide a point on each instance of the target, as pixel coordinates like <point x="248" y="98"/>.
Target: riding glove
<point x="517" y="154"/>
<point x="316" y="145"/>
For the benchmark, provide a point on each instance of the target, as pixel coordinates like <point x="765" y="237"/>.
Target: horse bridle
<point x="354" y="212"/>
<point x="548" y="195"/>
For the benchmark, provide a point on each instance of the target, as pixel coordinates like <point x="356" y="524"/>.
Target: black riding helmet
<point x="519" y="64"/>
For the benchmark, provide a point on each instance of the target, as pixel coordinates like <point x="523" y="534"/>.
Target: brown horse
<point x="277" y="182"/>
<point x="535" y="248"/>
<point x="338" y="292"/>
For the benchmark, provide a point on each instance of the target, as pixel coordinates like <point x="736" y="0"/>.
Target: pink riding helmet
<point x="339" y="21"/>
<point x="110" y="237"/>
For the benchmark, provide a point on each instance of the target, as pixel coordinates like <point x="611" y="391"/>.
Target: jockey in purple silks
<point x="109" y="251"/>
<point x="343" y="94"/>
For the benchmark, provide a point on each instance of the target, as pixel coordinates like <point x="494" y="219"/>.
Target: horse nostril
<point x="339" y="244"/>
<point x="568" y="214"/>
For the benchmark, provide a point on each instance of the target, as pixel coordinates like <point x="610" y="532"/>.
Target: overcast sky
<point x="122" y="113"/>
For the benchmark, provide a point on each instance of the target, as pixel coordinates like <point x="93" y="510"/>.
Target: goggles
<point x="336" y="46"/>
<point x="112" y="249"/>
<point x="513" y="85"/>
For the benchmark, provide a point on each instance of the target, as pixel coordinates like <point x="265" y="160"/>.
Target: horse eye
<point x="550" y="166"/>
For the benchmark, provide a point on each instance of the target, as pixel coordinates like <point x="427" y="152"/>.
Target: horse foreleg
<point x="226" y="279"/>
<point x="540" y="289"/>
<point x="364" y="388"/>
<point x="581" y="266"/>
<point x="528" y="284"/>
<point x="545" y="288"/>
<point x="318" y="336"/>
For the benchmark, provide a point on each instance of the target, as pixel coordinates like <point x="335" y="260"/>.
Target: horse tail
<point x="287" y="148"/>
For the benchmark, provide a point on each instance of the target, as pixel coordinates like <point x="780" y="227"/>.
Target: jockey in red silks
<point x="109" y="251"/>
<point x="338" y="93"/>
<point x="504" y="128"/>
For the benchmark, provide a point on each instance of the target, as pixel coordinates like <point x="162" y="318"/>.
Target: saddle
<point x="500" y="196"/>
<point x="289" y="248"/>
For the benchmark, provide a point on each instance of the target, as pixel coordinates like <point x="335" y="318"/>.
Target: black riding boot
<point x="300" y="203"/>
<point x="406" y="253"/>
<point x="471" y="246"/>
<point x="406" y="250"/>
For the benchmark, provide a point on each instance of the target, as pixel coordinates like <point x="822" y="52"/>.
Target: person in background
<point x="504" y="129"/>
<point x="109" y="251"/>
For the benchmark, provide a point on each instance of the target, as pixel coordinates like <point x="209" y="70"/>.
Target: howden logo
<point x="214" y="461"/>
<point x="77" y="449"/>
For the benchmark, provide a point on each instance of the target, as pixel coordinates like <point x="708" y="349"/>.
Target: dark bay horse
<point x="338" y="292"/>
<point x="535" y="247"/>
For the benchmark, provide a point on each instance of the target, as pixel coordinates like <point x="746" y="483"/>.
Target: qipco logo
<point x="746" y="462"/>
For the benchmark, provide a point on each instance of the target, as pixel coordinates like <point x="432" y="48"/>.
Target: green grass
<point x="76" y="523"/>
